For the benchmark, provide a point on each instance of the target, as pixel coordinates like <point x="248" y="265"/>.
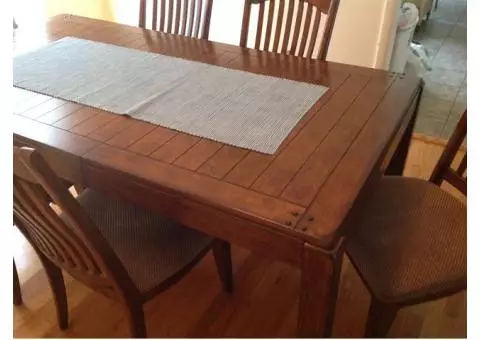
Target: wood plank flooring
<point x="264" y="303"/>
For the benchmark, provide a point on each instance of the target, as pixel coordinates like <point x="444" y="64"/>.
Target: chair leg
<point x="223" y="260"/>
<point x="136" y="320"/>
<point x="380" y="319"/>
<point x="55" y="278"/>
<point x="17" y="292"/>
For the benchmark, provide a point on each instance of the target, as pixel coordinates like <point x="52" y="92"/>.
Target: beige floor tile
<point x="445" y="76"/>
<point x="450" y="61"/>
<point x="435" y="108"/>
<point x="430" y="126"/>
<point x="459" y="32"/>
<point x="436" y="29"/>
<point x="440" y="91"/>
<point x="455" y="47"/>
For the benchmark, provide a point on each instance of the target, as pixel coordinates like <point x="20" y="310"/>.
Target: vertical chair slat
<point x="268" y="28"/>
<point x="184" y="17"/>
<point x="298" y="24"/>
<point x="306" y="29"/>
<point x="155" y="14"/>
<point x="261" y="14"/>
<point x="206" y="19"/>
<point x="162" y="16"/>
<point x="288" y="26"/>
<point x="314" y="36"/>
<point x="170" y="16"/>
<point x="278" y="28"/>
<point x="177" y="16"/>
<point x="198" y="17"/>
<point x="191" y="16"/>
<point x="142" y="15"/>
<point x="36" y="218"/>
<point x="245" y="23"/>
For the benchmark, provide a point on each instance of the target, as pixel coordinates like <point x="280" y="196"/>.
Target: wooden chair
<point x="409" y="240"/>
<point x="186" y="17"/>
<point x="118" y="249"/>
<point x="288" y="34"/>
<point x="54" y="276"/>
<point x="443" y="170"/>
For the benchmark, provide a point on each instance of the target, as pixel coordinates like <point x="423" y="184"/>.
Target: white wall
<point x="33" y="17"/>
<point x="363" y="33"/>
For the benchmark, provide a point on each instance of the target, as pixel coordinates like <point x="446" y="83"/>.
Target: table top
<point x="304" y="190"/>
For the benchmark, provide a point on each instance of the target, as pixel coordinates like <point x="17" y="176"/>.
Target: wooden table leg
<point x="397" y="163"/>
<point x="318" y="291"/>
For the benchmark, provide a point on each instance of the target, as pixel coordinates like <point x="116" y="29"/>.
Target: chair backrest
<point x="71" y="241"/>
<point x="186" y="17"/>
<point x="291" y="26"/>
<point x="444" y="168"/>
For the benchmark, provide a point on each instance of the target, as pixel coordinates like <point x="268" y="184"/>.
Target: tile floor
<point x="445" y="94"/>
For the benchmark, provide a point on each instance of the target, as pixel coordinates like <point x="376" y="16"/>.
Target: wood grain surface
<point x="254" y="310"/>
<point x="271" y="204"/>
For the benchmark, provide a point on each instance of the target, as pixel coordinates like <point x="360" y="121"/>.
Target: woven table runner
<point x="239" y="108"/>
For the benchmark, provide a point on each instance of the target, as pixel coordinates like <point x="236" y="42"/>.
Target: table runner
<point x="235" y="107"/>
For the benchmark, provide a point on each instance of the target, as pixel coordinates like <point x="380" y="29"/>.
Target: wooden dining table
<point x="296" y="205"/>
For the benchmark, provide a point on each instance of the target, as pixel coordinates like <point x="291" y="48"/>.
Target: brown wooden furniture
<point x="54" y="276"/>
<point x="289" y="206"/>
<point x="296" y="30"/>
<point x="120" y="250"/>
<point x="17" y="291"/>
<point x="179" y="313"/>
<point x="186" y="17"/>
<point x="55" y="280"/>
<point x="409" y="240"/>
<point x="443" y="170"/>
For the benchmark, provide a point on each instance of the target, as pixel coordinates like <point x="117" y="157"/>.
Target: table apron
<point x="401" y="140"/>
<point x="386" y="164"/>
<point x="213" y="221"/>
<point x="66" y="165"/>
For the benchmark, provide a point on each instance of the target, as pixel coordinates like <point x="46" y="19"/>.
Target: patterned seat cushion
<point x="410" y="240"/>
<point x="152" y="248"/>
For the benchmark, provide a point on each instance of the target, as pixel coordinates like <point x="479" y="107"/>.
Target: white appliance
<point x="364" y="32"/>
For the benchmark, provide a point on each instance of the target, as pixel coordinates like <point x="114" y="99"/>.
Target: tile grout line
<point x="453" y="25"/>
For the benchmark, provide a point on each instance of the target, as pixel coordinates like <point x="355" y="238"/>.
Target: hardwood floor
<point x="264" y="303"/>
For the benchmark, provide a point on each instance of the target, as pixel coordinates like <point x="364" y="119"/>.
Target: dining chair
<point x="291" y="26"/>
<point x="54" y="276"/>
<point x="409" y="240"/>
<point x="120" y="250"/>
<point x="186" y="17"/>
